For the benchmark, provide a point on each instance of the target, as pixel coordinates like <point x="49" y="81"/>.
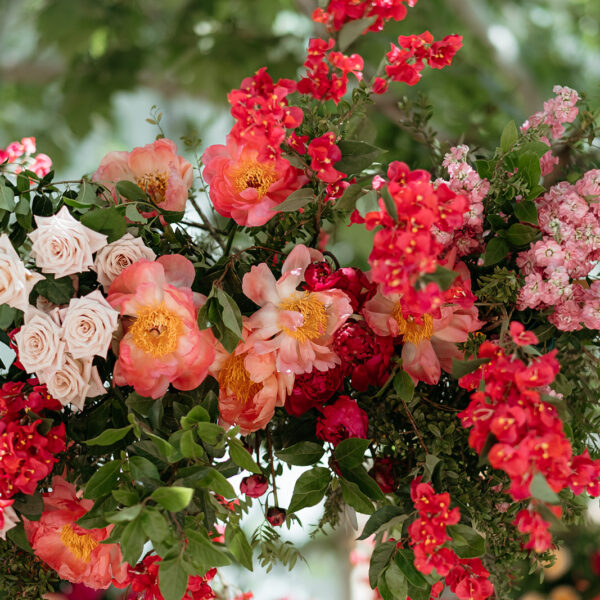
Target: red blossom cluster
<point x="21" y="154"/>
<point x="26" y="456"/>
<point x="466" y="577"/>
<point x="143" y="579"/>
<point x="339" y="12"/>
<point x="405" y="247"/>
<point x="324" y="153"/>
<point x="407" y="60"/>
<point x="531" y="523"/>
<point x="327" y="72"/>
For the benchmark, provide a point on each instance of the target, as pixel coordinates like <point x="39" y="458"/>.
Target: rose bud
<point x="276" y="516"/>
<point x="383" y="474"/>
<point x="254" y="486"/>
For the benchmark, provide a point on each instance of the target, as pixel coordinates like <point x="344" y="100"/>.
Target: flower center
<point x="314" y="313"/>
<point x="411" y="330"/>
<point x="80" y="546"/>
<point x="253" y="174"/>
<point x="235" y="380"/>
<point x="156" y="330"/>
<point x="154" y="184"/>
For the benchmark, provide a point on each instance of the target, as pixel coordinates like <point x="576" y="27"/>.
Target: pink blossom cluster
<point x="464" y="180"/>
<point x="21" y="154"/>
<point x="557" y="111"/>
<point x="556" y="266"/>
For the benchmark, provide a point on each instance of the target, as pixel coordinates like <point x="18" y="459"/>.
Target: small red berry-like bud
<point x="276" y="516"/>
<point x="254" y="486"/>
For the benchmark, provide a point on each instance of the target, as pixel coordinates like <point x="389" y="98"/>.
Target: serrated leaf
<point x="302" y="454"/>
<point x="385" y="517"/>
<point x="241" y="457"/>
<point x="103" y="481"/>
<point x="87" y="194"/>
<point x="295" y="200"/>
<point x="210" y="433"/>
<point x="133" y="214"/>
<point x="174" y="498"/>
<point x="109" y="436"/>
<point x="310" y="488"/>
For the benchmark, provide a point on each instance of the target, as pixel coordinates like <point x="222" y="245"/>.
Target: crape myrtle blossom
<point x="162" y="343"/>
<point x="156" y="168"/>
<point x="296" y="325"/>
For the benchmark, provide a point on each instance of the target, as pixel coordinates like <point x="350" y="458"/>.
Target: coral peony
<point x="156" y="168"/>
<point x="76" y="554"/>
<point x="246" y="187"/>
<point x="250" y="387"/>
<point x="342" y="420"/>
<point x="296" y="325"/>
<point x="163" y="343"/>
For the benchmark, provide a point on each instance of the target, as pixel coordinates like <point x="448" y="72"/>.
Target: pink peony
<point x="156" y="168"/>
<point x="342" y="420"/>
<point x="162" y="344"/>
<point x="76" y="554"/>
<point x="245" y="187"/>
<point x="313" y="389"/>
<point x="249" y="385"/>
<point x="296" y="325"/>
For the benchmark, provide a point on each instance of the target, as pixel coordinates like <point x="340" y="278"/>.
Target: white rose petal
<point x="113" y="259"/>
<point x="39" y="342"/>
<point x="88" y="324"/>
<point x="16" y="281"/>
<point x="62" y="245"/>
<point x="10" y="520"/>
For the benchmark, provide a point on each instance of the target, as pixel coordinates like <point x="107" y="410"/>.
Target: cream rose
<point x="62" y="245"/>
<point x="15" y="280"/>
<point x="88" y="325"/>
<point x="8" y="520"/>
<point x="113" y="259"/>
<point x="39" y="342"/>
<point x="73" y="381"/>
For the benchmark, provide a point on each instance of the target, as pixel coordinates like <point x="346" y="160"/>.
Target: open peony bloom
<point x="296" y="325"/>
<point x="162" y="343"/>
<point x="156" y="168"/>
<point x="76" y="554"/>
<point x="243" y="186"/>
<point x="249" y="385"/>
<point x="429" y="343"/>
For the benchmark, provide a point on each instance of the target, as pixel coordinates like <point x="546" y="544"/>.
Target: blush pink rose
<point x="244" y="187"/>
<point x="156" y="168"/>
<point x="76" y="554"/>
<point x="163" y="344"/>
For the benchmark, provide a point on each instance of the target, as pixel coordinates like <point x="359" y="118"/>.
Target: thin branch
<point x="414" y="425"/>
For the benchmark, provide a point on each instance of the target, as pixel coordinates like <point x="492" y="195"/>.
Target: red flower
<point x="342" y="420"/>
<point x="441" y="53"/>
<point x="254" y="486"/>
<point x="313" y="389"/>
<point x="531" y="523"/>
<point x="520" y="336"/>
<point x="325" y="154"/>
<point x="380" y="86"/>
<point x="276" y="516"/>
<point x="383" y="474"/>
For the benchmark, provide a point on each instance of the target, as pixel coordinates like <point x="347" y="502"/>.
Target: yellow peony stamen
<point x="154" y="184"/>
<point x="410" y="330"/>
<point x="80" y="546"/>
<point x="253" y="174"/>
<point x="314" y="313"/>
<point x="156" y="330"/>
<point x="234" y="379"/>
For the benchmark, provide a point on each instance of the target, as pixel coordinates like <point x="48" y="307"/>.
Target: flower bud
<point x="276" y="516"/>
<point x="254" y="486"/>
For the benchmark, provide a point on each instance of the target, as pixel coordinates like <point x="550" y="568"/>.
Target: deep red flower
<point x="383" y="474"/>
<point x="312" y="390"/>
<point x="324" y="154"/>
<point x="276" y="516"/>
<point x="520" y="336"/>
<point x="254" y="486"/>
<point x="531" y="523"/>
<point x="342" y="420"/>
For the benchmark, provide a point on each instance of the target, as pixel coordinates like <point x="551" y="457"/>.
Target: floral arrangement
<point x="160" y="347"/>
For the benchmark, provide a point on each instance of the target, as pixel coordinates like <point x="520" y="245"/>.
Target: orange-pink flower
<point x="162" y="343"/>
<point x="244" y="186"/>
<point x="295" y="325"/>
<point x="249" y="385"/>
<point x="76" y="554"/>
<point x="156" y="168"/>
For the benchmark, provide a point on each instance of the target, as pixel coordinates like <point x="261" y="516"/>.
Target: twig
<point x="271" y="460"/>
<point x="414" y="425"/>
<point x="210" y="227"/>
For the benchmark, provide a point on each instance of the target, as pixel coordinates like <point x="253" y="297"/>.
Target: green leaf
<point x="466" y="541"/>
<point x="442" y="277"/>
<point x="526" y="212"/>
<point x="211" y="433"/>
<point x="241" y="457"/>
<point x="124" y="515"/>
<point x="7" y="316"/>
<point x="231" y="315"/>
<point x="310" y="488"/>
<point x="31" y="505"/>
<point x="509" y="137"/>
<point x="238" y="545"/>
<point x="390" y="204"/>
<point x="188" y="446"/>
<point x="18" y="537"/>
<point x="431" y="462"/>
<point x="154" y="524"/>
<point x="205" y="550"/>
<point x="58" y="291"/>
<point x="364" y="481"/>
<point x="383" y="589"/>
<point x="356" y="156"/>
<point x="132" y="541"/>
<point x="131" y="191"/>
<point x="355" y="498"/>
<point x="349" y="197"/>
<point x="22" y="207"/>
<point x="172" y="579"/>
<point x="109" y="436"/>
<point x="485" y="168"/>
<point x="302" y="454"/>
<point x="529" y="168"/>
<point x="133" y="214"/>
<point x="382" y="519"/>
<point x="295" y="200"/>
<point x="142" y="468"/>
<point x="352" y="31"/>
<point x="173" y="498"/>
<point x="196" y="415"/>
<point x="165" y="448"/>
<point x="396" y="581"/>
<point x="464" y="367"/>
<point x="368" y="203"/>
<point x="103" y="481"/>
<point x="404" y="386"/>
<point x="537" y="148"/>
<point x="217" y="482"/>
<point x="350" y="453"/>
<point x="540" y="490"/>
<point x="125" y="497"/>
<point x="382" y="553"/>
<point x="108" y="221"/>
<point x="495" y="251"/>
<point x="405" y="560"/>
<point x="7" y="198"/>
<point x="521" y="235"/>
<point x="87" y="194"/>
